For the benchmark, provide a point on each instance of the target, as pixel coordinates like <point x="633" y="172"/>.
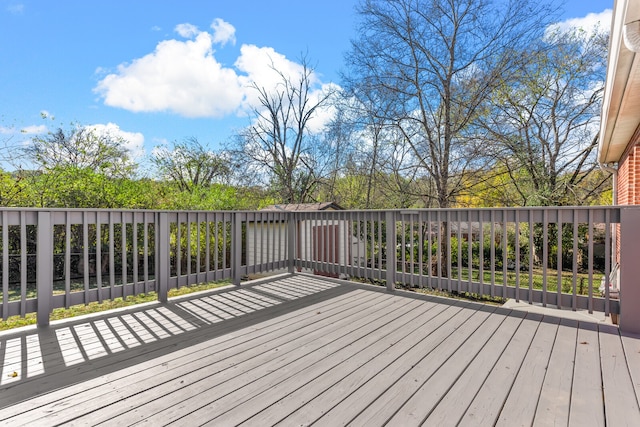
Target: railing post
<point x="44" y="275"/>
<point x="163" y="263"/>
<point x="391" y="238"/>
<point x="629" y="270"/>
<point x="236" y="248"/>
<point x="291" y="241"/>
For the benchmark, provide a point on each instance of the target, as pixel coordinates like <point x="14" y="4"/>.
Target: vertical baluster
<point x="134" y="251"/>
<point x="470" y="251"/>
<point x="145" y="253"/>
<point x="178" y="249"/>
<point x="362" y="242"/>
<point x="124" y="254"/>
<point x="448" y="243"/>
<point x="403" y="249"/>
<point x="531" y="249"/>
<point x="590" y="260"/>
<point x="459" y="236"/>
<point x="24" y="250"/>
<point x="545" y="254"/>
<point x="198" y="248"/>
<point x="607" y="261"/>
<point x="188" y="230"/>
<point x="98" y="257"/>
<point x="258" y="239"/>
<point x="421" y="227"/>
<point x="5" y="265"/>
<point x="216" y="250"/>
<point x="85" y="255"/>
<point x="505" y="253"/>
<point x="226" y="229"/>
<point x="207" y="245"/>
<point x="439" y="250"/>
<point x="493" y="252"/>
<point x="481" y="253"/>
<point x="67" y="260"/>
<point x="357" y="241"/>
<point x="112" y="257"/>
<point x="517" y="250"/>
<point x="574" y="283"/>
<point x="559" y="260"/>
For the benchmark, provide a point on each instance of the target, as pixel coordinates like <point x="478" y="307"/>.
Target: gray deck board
<point x="617" y="384"/>
<point x="587" y="382"/>
<point x="632" y="352"/>
<point x="338" y="363"/>
<point x="486" y="405"/>
<point x="386" y="405"/>
<point x="452" y="405"/>
<point x="215" y="355"/>
<point x="257" y="370"/>
<point x="299" y="390"/>
<point x="416" y="409"/>
<point x="555" y="396"/>
<point x="301" y="350"/>
<point x="520" y="406"/>
<point x="350" y="406"/>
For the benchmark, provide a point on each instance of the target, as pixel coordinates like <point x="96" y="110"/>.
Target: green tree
<point x="191" y="166"/>
<point x="82" y="148"/>
<point x="545" y="120"/>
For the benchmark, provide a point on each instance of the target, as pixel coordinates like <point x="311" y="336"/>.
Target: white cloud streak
<point x="223" y="32"/>
<point x="132" y="141"/>
<point x="600" y="22"/>
<point x="34" y="130"/>
<point x="187" y="31"/>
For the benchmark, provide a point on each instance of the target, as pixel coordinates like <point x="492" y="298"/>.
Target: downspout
<point x="614" y="196"/>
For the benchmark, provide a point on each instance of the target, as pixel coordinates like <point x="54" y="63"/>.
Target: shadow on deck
<point x="301" y="349"/>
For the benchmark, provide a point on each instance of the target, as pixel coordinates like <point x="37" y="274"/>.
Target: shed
<point x="320" y="240"/>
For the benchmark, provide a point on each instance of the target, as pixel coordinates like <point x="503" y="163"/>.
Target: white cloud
<point x="179" y="77"/>
<point x="187" y="31"/>
<point x="27" y="130"/>
<point x="184" y="77"/>
<point x="223" y="32"/>
<point x="600" y="22"/>
<point x="34" y="129"/>
<point x="16" y="8"/>
<point x="132" y="141"/>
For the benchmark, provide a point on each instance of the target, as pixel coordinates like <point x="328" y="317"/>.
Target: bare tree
<point x="545" y="120"/>
<point x="190" y="165"/>
<point x="279" y="143"/>
<point x="441" y="60"/>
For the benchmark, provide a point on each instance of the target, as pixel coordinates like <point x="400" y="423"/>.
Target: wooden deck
<point x="300" y="350"/>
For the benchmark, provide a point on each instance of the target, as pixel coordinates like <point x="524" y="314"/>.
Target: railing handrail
<point x="178" y="247"/>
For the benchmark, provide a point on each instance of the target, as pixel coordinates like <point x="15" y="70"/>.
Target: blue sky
<point x="96" y="62"/>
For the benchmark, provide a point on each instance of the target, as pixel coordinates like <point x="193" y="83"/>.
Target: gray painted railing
<point x="61" y="257"/>
<point x="474" y="251"/>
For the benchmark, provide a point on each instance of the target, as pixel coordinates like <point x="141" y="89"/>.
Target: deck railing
<point x="559" y="257"/>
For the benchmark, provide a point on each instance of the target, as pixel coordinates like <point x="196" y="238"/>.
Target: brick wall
<point x="628" y="179"/>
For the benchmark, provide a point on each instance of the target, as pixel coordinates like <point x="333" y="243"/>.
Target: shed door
<point x="325" y="246"/>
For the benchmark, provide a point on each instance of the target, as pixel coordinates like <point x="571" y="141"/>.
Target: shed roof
<point x="304" y="207"/>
